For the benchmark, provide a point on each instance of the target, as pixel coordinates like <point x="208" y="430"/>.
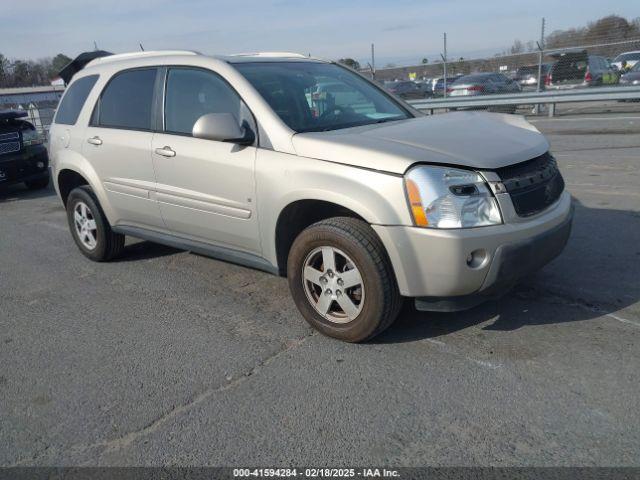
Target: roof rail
<point x="153" y="53"/>
<point x="269" y="54"/>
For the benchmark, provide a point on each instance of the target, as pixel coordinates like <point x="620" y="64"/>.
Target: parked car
<point x="527" y="76"/>
<point x="632" y="77"/>
<point x="630" y="59"/>
<point x="358" y="208"/>
<point x="425" y="87"/>
<point x="485" y="84"/>
<point x="23" y="157"/>
<point x="405" y="89"/>
<point x="438" y="84"/>
<point x="482" y="84"/>
<point x="578" y="69"/>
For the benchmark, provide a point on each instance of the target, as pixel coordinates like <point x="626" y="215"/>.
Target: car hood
<point x="471" y="139"/>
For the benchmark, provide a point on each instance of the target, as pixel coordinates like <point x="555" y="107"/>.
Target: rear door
<point x="606" y="74"/>
<point x="206" y="188"/>
<point x="118" y="145"/>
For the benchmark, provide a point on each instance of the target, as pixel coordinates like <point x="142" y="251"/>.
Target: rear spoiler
<point x="78" y="63"/>
<point x="12" y="114"/>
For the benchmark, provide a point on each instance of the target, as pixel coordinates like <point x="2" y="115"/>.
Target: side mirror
<point x="223" y="127"/>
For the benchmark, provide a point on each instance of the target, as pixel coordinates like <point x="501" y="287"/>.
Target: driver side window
<point x="191" y="93"/>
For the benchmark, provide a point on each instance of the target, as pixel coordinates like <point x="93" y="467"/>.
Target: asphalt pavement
<point x="169" y="358"/>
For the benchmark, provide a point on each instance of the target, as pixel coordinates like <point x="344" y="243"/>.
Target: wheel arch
<point x="67" y="180"/>
<point x="298" y="215"/>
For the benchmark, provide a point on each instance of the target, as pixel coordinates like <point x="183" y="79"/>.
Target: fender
<point x="68" y="159"/>
<point x="376" y="197"/>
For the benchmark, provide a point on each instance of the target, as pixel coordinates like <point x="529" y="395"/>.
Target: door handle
<point x="165" y="151"/>
<point x="94" y="140"/>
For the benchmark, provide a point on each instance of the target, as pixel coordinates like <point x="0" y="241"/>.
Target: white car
<point x="630" y="57"/>
<point x="249" y="159"/>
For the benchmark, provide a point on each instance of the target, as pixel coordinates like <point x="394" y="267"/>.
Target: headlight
<point x="31" y="137"/>
<point x="442" y="197"/>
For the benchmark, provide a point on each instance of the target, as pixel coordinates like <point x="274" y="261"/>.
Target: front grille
<point x="9" y="147"/>
<point x="533" y="185"/>
<point x="9" y="136"/>
<point x="9" y="142"/>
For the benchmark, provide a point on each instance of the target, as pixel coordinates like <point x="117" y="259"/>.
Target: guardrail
<point x="549" y="97"/>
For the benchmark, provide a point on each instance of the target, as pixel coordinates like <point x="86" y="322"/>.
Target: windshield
<point x="628" y="56"/>
<point x="313" y="97"/>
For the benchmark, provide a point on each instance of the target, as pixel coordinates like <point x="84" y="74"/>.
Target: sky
<point x="404" y="31"/>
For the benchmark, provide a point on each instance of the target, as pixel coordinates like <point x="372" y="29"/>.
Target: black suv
<point x="579" y="69"/>
<point x="23" y="156"/>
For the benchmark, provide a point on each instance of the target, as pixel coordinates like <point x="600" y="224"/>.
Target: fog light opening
<point x="478" y="258"/>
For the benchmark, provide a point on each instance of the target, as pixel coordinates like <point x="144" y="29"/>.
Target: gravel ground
<point x="169" y="358"/>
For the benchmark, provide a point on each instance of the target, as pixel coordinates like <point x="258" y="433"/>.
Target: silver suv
<point x="354" y="196"/>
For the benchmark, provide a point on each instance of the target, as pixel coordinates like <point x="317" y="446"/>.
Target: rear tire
<point x="90" y="228"/>
<point x="38" y="184"/>
<point x="357" y="290"/>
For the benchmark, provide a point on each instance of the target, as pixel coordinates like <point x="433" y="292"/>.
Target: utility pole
<point x="444" y="60"/>
<point x="540" y="55"/>
<point x="373" y="63"/>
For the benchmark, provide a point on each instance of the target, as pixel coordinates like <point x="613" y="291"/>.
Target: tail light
<point x="476" y="88"/>
<point x="449" y="90"/>
<point x="548" y="79"/>
<point x="587" y="76"/>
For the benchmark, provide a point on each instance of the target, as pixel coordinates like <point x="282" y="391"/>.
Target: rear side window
<point x="127" y="100"/>
<point x="74" y="99"/>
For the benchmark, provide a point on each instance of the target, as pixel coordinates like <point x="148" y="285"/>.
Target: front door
<point x="205" y="188"/>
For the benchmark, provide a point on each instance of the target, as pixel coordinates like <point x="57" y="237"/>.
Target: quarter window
<point x="192" y="93"/>
<point x="74" y="99"/>
<point x="127" y="100"/>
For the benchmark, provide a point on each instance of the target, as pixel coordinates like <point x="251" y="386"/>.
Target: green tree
<point x="21" y="74"/>
<point x="58" y="63"/>
<point x="350" y="62"/>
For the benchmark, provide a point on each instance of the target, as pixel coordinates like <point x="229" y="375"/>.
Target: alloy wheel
<point x="333" y="284"/>
<point x="85" y="224"/>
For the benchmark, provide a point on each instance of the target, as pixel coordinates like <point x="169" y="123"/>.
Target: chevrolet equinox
<point x="306" y="169"/>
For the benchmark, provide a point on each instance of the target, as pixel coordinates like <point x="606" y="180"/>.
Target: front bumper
<point x="432" y="264"/>
<point x="23" y="166"/>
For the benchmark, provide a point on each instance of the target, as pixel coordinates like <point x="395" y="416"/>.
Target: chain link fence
<point x="600" y="54"/>
<point x="39" y="113"/>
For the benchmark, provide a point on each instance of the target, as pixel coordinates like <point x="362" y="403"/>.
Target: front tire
<point x="342" y="281"/>
<point x="90" y="228"/>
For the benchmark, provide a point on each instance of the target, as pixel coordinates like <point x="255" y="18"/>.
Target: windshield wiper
<point x="385" y="120"/>
<point x="328" y="128"/>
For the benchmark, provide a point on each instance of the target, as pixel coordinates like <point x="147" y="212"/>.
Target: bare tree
<point x="517" y="47"/>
